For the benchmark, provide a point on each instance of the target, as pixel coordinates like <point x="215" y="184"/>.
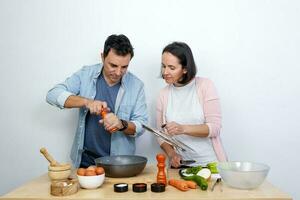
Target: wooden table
<point x="40" y="189"/>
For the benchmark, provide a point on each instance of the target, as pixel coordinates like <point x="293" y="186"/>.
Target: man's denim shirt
<point x="130" y="105"/>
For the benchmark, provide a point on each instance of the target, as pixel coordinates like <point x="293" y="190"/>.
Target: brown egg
<point x="90" y="173"/>
<point x="81" y="171"/>
<point x="99" y="170"/>
<point x="92" y="167"/>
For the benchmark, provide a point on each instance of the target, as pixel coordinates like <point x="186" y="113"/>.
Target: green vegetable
<point x="199" y="180"/>
<point x="193" y="170"/>
<point x="213" y="167"/>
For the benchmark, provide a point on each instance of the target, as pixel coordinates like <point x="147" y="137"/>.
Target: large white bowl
<point x="91" y="182"/>
<point x="243" y="175"/>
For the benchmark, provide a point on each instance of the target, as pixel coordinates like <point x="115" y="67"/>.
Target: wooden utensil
<point x="56" y="171"/>
<point x="54" y="165"/>
<point x="53" y="162"/>
<point x="64" y="187"/>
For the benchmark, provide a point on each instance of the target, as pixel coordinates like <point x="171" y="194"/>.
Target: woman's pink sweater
<point x="210" y="101"/>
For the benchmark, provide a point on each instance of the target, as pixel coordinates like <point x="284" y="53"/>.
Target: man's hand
<point x="95" y="106"/>
<point x="111" y="122"/>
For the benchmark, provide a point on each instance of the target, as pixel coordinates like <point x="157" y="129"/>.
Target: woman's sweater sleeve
<point x="159" y="115"/>
<point x="211" y="108"/>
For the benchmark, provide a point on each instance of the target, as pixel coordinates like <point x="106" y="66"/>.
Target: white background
<point x="250" y="49"/>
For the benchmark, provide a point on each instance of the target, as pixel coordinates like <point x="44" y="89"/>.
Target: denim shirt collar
<point x="123" y="79"/>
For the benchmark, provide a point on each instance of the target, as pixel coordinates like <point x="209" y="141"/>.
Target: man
<point x="104" y="87"/>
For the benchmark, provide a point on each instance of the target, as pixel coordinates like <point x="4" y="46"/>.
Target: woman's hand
<point x="174" y="159"/>
<point x="174" y="128"/>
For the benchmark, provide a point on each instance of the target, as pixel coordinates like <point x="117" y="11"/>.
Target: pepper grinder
<point x="161" y="174"/>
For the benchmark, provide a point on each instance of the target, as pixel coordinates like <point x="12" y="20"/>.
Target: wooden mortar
<point x="64" y="188"/>
<point x="56" y="171"/>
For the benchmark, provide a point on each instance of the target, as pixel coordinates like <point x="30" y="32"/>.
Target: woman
<point x="188" y="109"/>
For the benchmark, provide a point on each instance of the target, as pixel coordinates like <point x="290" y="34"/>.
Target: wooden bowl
<point x="60" y="172"/>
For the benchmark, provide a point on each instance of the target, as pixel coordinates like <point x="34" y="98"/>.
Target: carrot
<point x="191" y="184"/>
<point x="103" y="112"/>
<point x="181" y="185"/>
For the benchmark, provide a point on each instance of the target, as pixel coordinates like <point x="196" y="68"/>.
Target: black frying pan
<point x="122" y="165"/>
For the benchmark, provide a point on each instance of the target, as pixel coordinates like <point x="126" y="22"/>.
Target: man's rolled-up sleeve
<point x="139" y="115"/>
<point x="58" y="95"/>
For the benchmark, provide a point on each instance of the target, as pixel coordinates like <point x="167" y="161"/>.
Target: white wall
<point x="248" y="48"/>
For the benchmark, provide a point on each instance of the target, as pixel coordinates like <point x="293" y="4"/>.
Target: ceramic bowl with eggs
<point x="91" y="177"/>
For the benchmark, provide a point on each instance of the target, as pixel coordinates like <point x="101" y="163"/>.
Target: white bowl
<point x="243" y="175"/>
<point x="91" y="182"/>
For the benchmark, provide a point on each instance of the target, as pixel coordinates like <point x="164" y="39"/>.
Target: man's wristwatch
<point x="124" y="124"/>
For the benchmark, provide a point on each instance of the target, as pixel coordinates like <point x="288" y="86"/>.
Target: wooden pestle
<point x="54" y="165"/>
<point x="53" y="162"/>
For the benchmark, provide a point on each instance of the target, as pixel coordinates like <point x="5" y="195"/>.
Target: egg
<point x="81" y="171"/>
<point x="99" y="170"/>
<point x="92" y="168"/>
<point x="90" y="173"/>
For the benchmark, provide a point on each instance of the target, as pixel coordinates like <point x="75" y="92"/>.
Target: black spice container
<point x="158" y="187"/>
<point x="121" y="187"/>
<point x="139" y="187"/>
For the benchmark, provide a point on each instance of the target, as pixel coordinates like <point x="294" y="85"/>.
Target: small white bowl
<point x="91" y="182"/>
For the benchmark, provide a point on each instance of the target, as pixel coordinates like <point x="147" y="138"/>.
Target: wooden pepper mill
<point x="161" y="174"/>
